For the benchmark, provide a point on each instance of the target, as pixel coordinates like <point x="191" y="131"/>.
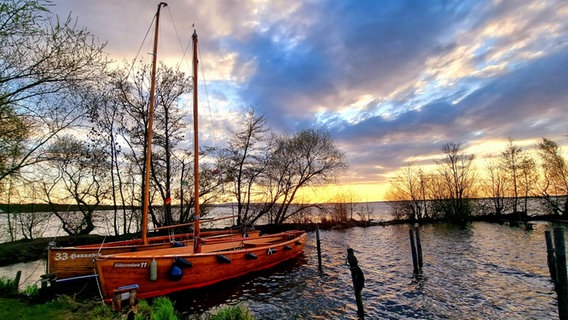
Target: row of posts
<point x="556" y="257"/>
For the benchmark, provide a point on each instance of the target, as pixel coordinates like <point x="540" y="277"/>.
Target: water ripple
<point x="486" y="271"/>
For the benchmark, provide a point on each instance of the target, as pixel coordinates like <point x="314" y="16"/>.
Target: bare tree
<point x="168" y="133"/>
<point x="305" y="159"/>
<point x="210" y="183"/>
<point x="104" y="118"/>
<point x="528" y="180"/>
<point x="554" y="188"/>
<point x="458" y="175"/>
<point x="408" y="193"/>
<point x="243" y="161"/>
<point x="79" y="175"/>
<point x="511" y="161"/>
<point x="264" y="172"/>
<point x="496" y="186"/>
<point x="46" y="65"/>
<point x="132" y="95"/>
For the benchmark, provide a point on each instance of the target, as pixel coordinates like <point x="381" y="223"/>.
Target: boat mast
<point x="195" y="147"/>
<point x="146" y="203"/>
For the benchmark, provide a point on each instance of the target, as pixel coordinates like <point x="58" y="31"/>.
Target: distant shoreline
<point x="25" y="250"/>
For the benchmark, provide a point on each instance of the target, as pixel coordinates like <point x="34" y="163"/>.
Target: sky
<point x="391" y="80"/>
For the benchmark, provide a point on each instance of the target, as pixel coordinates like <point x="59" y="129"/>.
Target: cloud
<point x="392" y="81"/>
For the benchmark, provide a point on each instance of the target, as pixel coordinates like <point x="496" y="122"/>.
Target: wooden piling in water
<point x="413" y="248"/>
<point x="358" y="281"/>
<point x="419" y="249"/>
<point x="320" y="268"/>
<point x="551" y="260"/>
<point x="561" y="276"/>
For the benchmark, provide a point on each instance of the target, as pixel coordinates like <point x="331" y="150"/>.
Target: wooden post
<point x="320" y="268"/>
<point x="48" y="286"/>
<point x="17" y="282"/>
<point x="561" y="276"/>
<point x="413" y="248"/>
<point x="419" y="249"/>
<point x="358" y="281"/>
<point x="551" y="260"/>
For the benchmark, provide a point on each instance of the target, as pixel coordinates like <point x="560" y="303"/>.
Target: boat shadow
<point x="258" y="284"/>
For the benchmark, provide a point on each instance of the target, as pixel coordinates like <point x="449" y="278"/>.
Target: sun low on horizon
<point x="348" y="193"/>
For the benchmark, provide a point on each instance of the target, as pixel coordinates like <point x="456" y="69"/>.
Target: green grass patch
<point x="236" y="312"/>
<point x="163" y="309"/>
<point x="8" y="287"/>
<point x="67" y="308"/>
<point x="18" y="309"/>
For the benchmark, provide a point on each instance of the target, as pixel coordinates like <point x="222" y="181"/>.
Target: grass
<point x="7" y="287"/>
<point x="60" y="309"/>
<point x="162" y="308"/>
<point x="236" y="312"/>
<point x="14" y="305"/>
<point x="66" y="308"/>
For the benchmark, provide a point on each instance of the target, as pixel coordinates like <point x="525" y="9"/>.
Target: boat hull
<point x="198" y="269"/>
<point x="68" y="263"/>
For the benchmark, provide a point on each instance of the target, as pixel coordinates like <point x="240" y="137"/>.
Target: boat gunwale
<point x="159" y="253"/>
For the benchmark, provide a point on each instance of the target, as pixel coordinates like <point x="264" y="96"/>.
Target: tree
<point x="511" y="161"/>
<point x="132" y="95"/>
<point x="76" y="173"/>
<point x="45" y="66"/>
<point x="306" y="159"/>
<point x="243" y="161"/>
<point x="210" y="182"/>
<point x="264" y="172"/>
<point x="14" y="131"/>
<point x="554" y="189"/>
<point x="496" y="186"/>
<point x="408" y="193"/>
<point x="528" y="179"/>
<point x="168" y="133"/>
<point x="104" y="117"/>
<point x="458" y="176"/>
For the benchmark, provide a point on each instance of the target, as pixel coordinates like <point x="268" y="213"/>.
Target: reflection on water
<point x="104" y="221"/>
<point x="486" y="271"/>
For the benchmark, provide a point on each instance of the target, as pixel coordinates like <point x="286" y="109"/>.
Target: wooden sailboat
<point x="77" y="262"/>
<point x="158" y="272"/>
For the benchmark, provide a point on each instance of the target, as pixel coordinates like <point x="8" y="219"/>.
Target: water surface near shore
<point x="486" y="271"/>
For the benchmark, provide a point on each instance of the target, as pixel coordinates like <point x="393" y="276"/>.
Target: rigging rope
<point x="184" y="52"/>
<point x="141" y="45"/>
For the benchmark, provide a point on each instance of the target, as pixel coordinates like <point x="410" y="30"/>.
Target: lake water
<point x="103" y="219"/>
<point x="486" y="271"/>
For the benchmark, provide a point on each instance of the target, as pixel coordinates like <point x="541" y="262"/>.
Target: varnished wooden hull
<point x="79" y="261"/>
<point x="217" y="261"/>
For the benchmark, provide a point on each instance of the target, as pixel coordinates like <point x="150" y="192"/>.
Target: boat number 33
<point x="62" y="256"/>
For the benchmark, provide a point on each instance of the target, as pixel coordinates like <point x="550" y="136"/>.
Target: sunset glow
<point x="392" y="81"/>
